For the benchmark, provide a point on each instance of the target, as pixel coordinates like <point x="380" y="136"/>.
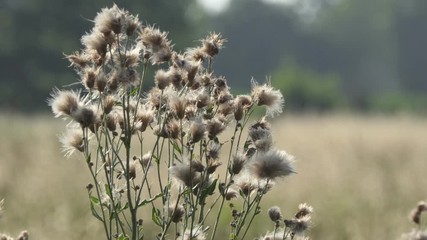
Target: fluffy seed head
<point x="64" y="103"/>
<point x="86" y="116"/>
<point x="132" y="170"/>
<point x="77" y="60"/>
<point x="197" y="131"/>
<point x="265" y="95"/>
<point x="275" y="214"/>
<point x="156" y="45"/>
<point x="145" y="159"/>
<point x="109" y="20"/>
<point x="71" y="141"/>
<point x="162" y="79"/>
<point x="177" y="105"/>
<point x="416" y="213"/>
<point x="144" y="116"/>
<point x="298" y="226"/>
<point x="95" y="41"/>
<point x="131" y="23"/>
<point x="231" y="194"/>
<point x="246" y="184"/>
<point x="303" y="210"/>
<point x="215" y="127"/>
<point x="176" y="213"/>
<point x="260" y="130"/>
<point x="88" y="78"/>
<point x="186" y="174"/>
<point x="238" y="163"/>
<point x="272" y="164"/>
<point x="212" y="165"/>
<point x="212" y="44"/>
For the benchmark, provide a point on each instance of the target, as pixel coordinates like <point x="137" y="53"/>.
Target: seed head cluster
<point x="186" y="114"/>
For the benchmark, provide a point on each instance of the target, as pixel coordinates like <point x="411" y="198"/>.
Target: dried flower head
<point x="275" y="214"/>
<point x="265" y="95"/>
<point x="197" y="131"/>
<point x="144" y="116"/>
<point x="156" y="45"/>
<point x="86" y="116"/>
<point x="176" y="213"/>
<point x="212" y="165"/>
<point x="64" y="103"/>
<point x="132" y="170"/>
<point x="237" y="163"/>
<point x="246" y="184"/>
<point x="88" y="76"/>
<point x="146" y="159"/>
<point x="186" y="174"/>
<point x="416" y="213"/>
<point x="303" y="210"/>
<point x="77" y="60"/>
<point x="215" y="127"/>
<point x="231" y="194"/>
<point x="95" y="41"/>
<point x="177" y="105"/>
<point x="212" y="44"/>
<point x="298" y="226"/>
<point x="241" y="103"/>
<point x="71" y="141"/>
<point x="272" y="164"/>
<point x="260" y="131"/>
<point x="131" y="23"/>
<point x="162" y="79"/>
<point x="214" y="150"/>
<point x="109" y="20"/>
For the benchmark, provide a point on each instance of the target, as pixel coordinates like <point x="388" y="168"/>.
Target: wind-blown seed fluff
<point x="265" y="95"/>
<point x="272" y="164"/>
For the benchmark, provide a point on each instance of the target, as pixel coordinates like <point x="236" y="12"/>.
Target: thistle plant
<point x="162" y="148"/>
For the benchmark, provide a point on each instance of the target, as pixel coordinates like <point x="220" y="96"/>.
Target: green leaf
<point x="207" y="191"/>
<point x="146" y="201"/>
<point x="210" y="190"/>
<point x="108" y="190"/>
<point x="94" y="212"/>
<point x="94" y="200"/>
<point x="176" y="147"/>
<point x="155" y="216"/>
<point x="134" y="91"/>
<point x="156" y="159"/>
<point x="122" y="237"/>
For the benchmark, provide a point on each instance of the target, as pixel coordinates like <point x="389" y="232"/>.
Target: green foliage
<point x="308" y="90"/>
<point x="399" y="102"/>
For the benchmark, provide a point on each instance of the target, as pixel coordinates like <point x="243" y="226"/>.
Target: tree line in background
<point x="365" y="55"/>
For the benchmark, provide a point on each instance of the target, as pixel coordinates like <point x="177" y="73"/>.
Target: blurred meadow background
<point x="352" y="73"/>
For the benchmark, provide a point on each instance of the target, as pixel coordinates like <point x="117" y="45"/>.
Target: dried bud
<point x="275" y="214"/>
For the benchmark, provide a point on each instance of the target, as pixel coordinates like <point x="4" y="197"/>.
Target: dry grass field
<point x="362" y="175"/>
